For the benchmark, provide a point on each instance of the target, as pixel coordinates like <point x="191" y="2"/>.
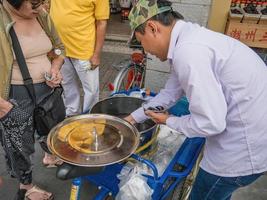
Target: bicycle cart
<point x="107" y="180"/>
<point x="162" y="185"/>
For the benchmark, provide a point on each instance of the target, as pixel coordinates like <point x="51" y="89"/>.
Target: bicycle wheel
<point x="129" y="77"/>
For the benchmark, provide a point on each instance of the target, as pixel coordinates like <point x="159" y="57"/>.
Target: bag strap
<point x="27" y="79"/>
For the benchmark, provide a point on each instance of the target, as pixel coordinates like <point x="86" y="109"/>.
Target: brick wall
<point x="193" y="10"/>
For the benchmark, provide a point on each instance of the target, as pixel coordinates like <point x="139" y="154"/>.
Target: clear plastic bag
<point x="169" y="142"/>
<point x="133" y="185"/>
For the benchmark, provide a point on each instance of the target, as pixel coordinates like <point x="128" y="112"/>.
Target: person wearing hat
<point x="225" y="83"/>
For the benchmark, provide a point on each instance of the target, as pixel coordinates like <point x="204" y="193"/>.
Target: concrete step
<point x="117" y="46"/>
<point x="117" y="37"/>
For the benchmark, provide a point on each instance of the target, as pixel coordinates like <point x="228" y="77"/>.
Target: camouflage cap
<point x="144" y="10"/>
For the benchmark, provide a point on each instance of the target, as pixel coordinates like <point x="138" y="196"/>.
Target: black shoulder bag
<point x="51" y="110"/>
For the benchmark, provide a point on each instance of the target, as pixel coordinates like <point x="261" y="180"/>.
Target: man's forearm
<point x="101" y="26"/>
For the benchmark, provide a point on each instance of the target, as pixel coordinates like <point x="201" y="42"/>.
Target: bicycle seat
<point x="137" y="57"/>
<point x="67" y="171"/>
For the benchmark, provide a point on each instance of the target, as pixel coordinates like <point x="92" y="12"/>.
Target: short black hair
<point x="15" y="3"/>
<point x="165" y="18"/>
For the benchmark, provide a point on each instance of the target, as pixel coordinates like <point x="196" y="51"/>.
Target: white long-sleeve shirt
<point x="226" y="85"/>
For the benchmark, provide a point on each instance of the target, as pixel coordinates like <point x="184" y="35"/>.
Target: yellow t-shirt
<point x="75" y="23"/>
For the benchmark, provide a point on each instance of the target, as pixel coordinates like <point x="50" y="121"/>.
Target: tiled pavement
<point x="46" y="179"/>
<point x="108" y="70"/>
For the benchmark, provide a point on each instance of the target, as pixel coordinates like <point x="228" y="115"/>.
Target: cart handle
<point x="148" y="163"/>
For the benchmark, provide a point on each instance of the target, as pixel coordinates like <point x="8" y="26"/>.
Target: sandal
<point x="52" y="161"/>
<point x="45" y="195"/>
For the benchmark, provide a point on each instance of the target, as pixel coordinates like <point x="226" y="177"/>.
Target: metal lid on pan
<point x="93" y="140"/>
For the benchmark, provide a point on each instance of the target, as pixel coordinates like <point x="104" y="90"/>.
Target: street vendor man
<point x="225" y="83"/>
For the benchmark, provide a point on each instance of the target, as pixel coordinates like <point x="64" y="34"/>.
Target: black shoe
<point x="20" y="194"/>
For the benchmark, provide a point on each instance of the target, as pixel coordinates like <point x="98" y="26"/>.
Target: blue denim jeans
<point x="211" y="187"/>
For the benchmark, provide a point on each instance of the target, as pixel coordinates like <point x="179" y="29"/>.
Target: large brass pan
<point x="93" y="140"/>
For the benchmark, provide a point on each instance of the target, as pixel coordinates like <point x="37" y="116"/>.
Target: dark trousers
<point x="211" y="187"/>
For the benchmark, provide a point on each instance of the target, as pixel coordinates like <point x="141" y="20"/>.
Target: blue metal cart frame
<point x="186" y="156"/>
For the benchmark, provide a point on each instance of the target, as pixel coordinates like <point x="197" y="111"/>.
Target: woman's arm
<point x="5" y="107"/>
<point x="56" y="76"/>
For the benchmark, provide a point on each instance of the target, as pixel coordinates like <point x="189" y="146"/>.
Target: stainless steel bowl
<point x="122" y="106"/>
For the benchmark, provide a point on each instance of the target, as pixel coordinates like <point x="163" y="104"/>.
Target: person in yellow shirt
<point x="81" y="25"/>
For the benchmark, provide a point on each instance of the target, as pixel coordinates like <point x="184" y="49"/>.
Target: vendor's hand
<point x="130" y="119"/>
<point x="95" y="61"/>
<point x="56" y="77"/>
<point x="159" y="118"/>
<point x="5" y="107"/>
